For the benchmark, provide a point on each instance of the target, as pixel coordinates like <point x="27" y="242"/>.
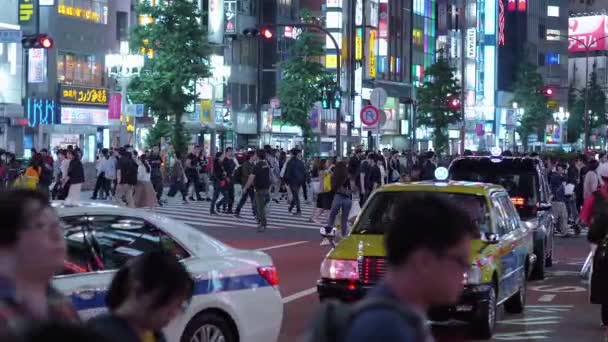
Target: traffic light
<point x="548" y="91"/>
<point x="37" y="41"/>
<point x="337" y="100"/>
<point x="325" y="99"/>
<point x="454" y="103"/>
<point x="264" y="32"/>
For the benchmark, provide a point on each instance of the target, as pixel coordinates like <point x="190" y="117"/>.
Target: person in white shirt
<point x="145" y="196"/>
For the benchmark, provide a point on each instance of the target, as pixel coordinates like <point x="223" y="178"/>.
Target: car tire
<point x="538" y="272"/>
<point x="483" y="325"/>
<point x="517" y="303"/>
<point x="206" y="325"/>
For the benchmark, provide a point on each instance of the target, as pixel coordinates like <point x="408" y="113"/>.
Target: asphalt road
<point x="557" y="307"/>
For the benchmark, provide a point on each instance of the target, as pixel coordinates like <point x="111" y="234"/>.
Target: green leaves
<point x="527" y="93"/>
<point x="434" y="98"/>
<point x="180" y="57"/>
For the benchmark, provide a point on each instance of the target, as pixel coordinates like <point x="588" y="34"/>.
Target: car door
<point x="98" y="245"/>
<point x="505" y="251"/>
<point x="521" y="245"/>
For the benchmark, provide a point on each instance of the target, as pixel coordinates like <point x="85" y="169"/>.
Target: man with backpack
<point x="241" y="175"/>
<point x="126" y="175"/>
<point x="424" y="269"/>
<point x="259" y="179"/>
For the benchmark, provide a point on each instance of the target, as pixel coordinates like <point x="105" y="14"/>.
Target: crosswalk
<point x="197" y="214"/>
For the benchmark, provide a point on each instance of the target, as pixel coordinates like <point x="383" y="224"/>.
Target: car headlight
<point x="339" y="269"/>
<point x="472" y="276"/>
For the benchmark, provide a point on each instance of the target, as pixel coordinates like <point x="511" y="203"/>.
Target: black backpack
<point x="332" y="322"/>
<point x="46" y="176"/>
<point x="130" y="173"/>
<point x="238" y="174"/>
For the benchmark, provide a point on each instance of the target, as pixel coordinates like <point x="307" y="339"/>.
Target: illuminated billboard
<point x="587" y="32"/>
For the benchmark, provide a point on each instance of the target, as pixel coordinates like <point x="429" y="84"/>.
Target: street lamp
<point x="123" y="67"/>
<point x="561" y="117"/>
<point x="587" y="47"/>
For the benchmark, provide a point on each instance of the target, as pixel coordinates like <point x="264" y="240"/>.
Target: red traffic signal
<point x="265" y="32"/>
<point x="548" y="91"/>
<point x="37" y="41"/>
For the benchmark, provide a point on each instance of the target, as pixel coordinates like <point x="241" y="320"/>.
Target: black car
<point x="526" y="182"/>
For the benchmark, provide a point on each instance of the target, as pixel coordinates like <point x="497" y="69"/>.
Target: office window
<point x="122" y="25"/>
<point x="553" y="11"/>
<point x="79" y="69"/>
<point x="553" y="34"/>
<point x="542" y="31"/>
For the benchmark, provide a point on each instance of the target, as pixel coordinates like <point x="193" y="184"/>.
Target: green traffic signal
<point x="324" y="99"/>
<point x="337" y="100"/>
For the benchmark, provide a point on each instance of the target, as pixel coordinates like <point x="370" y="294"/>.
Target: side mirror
<point x="544" y="206"/>
<point x="490" y="238"/>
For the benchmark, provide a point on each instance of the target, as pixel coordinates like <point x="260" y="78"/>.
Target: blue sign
<point x="41" y="112"/>
<point x="10" y="36"/>
<point x="552" y="59"/>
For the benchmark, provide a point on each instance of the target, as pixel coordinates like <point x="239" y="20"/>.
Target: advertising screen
<point x="587" y="32"/>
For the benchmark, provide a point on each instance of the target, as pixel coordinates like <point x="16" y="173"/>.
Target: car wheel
<point x="483" y="325"/>
<point x="517" y="302"/>
<point x="209" y="327"/>
<point x="538" y="272"/>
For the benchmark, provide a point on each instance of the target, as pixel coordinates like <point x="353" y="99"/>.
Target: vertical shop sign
<point x="216" y="21"/>
<point x="26" y="11"/>
<point x="522" y="5"/>
<point x="383" y="21"/>
<point x="471" y="42"/>
<point x="114" y="106"/>
<point x="206" y="109"/>
<point x="230" y="17"/>
<point x="40" y="112"/>
<point x="371" y="55"/>
<point x="501" y="23"/>
<point x="36" y="66"/>
<point x="359" y="44"/>
<point x="511" y="5"/>
<point x="359" y="13"/>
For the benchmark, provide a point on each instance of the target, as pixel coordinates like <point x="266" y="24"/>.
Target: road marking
<point x="283" y="245"/>
<point x="523" y="335"/>
<point x="558" y="289"/>
<point x="546" y="298"/>
<point x="564" y="273"/>
<point x="532" y="320"/>
<point x="299" y="295"/>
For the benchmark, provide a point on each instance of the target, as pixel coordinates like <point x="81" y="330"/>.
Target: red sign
<point x="114" y="106"/>
<point x="501" y="23"/>
<point x="511" y="5"/>
<point x="522" y="5"/>
<point x="370" y="115"/>
<point x="587" y="32"/>
<point x="383" y="21"/>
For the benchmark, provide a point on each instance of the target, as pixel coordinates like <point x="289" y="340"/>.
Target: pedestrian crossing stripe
<point x="198" y="214"/>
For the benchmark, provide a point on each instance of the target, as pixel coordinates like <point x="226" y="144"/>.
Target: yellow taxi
<point x="501" y="258"/>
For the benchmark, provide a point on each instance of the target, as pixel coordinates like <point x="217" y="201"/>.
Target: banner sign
<point x="83" y="95"/>
<point x="114" y="107"/>
<point x="84" y="116"/>
<point x="587" y="32"/>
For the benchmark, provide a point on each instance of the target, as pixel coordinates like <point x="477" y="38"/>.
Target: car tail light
<point x="339" y="269"/>
<point x="518" y="201"/>
<point x="270" y="274"/>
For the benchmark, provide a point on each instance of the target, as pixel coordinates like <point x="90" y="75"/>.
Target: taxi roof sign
<point x="441" y="173"/>
<point x="495" y="151"/>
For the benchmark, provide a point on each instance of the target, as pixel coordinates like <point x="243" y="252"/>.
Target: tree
<point x="180" y="58"/>
<point x="303" y="77"/>
<point x="529" y="95"/>
<point x="161" y="129"/>
<point x="576" y="107"/>
<point x="596" y="102"/>
<point x="435" y="107"/>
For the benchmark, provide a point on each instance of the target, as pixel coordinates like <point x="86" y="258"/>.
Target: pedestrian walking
<point x="32" y="251"/>
<point x="146" y="294"/>
<point x="424" y="270"/>
<point x="260" y="180"/>
<point x="31" y="176"/>
<point x="592" y="180"/>
<point x="372" y="176"/>
<point x="342" y="201"/>
<point x="126" y="175"/>
<point x="275" y="173"/>
<point x="178" y="179"/>
<point x="74" y="178"/>
<point x="247" y="192"/>
<point x="230" y="165"/>
<point x="156" y="173"/>
<point x="190" y="169"/>
<point x="558" y="201"/>
<point x="295" y="178"/>
<point x="220" y="184"/>
<point x="429" y="166"/>
<point x="325" y="196"/>
<point x="144" y="194"/>
<point x="108" y="169"/>
<point x="46" y="174"/>
<point x="595" y="215"/>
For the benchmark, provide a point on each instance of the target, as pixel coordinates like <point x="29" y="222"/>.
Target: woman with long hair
<point x="220" y="183"/>
<point x="145" y="196"/>
<point x="146" y="294"/>
<point x="342" y="200"/>
<point x="326" y="195"/>
<point x="592" y="181"/>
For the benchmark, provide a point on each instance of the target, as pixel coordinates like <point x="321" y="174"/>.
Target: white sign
<point x="136" y="110"/>
<point x="84" y="116"/>
<point x="275" y="103"/>
<point x="378" y="97"/>
<point x="36" y="66"/>
<point x="216" y="21"/>
<point x="471" y="42"/>
<point x="359" y="13"/>
<point x="333" y="3"/>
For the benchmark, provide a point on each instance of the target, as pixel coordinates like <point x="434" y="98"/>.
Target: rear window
<point x="384" y="205"/>
<point x="518" y="177"/>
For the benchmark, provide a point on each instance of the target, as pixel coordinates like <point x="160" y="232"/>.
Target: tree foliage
<point x="434" y="110"/>
<point x="180" y="57"/>
<point x="302" y="78"/>
<point x="528" y="94"/>
<point x="576" y="107"/>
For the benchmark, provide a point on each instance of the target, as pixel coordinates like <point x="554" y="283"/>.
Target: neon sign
<point x="511" y="6"/>
<point x="40" y="111"/>
<point x="501" y="23"/>
<point x="522" y="5"/>
<point x="77" y="12"/>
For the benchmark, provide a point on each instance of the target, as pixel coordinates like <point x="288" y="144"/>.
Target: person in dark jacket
<point x="428" y="169"/>
<point x="75" y="177"/>
<point x="230" y="164"/>
<point x="558" y="202"/>
<point x="295" y="177"/>
<point x="246" y="170"/>
<point x="220" y="183"/>
<point x="146" y="294"/>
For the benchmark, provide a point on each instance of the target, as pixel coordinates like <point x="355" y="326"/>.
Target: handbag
<point x="326" y="182"/>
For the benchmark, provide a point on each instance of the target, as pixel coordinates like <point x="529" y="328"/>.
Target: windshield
<point x="383" y="206"/>
<point x="520" y="182"/>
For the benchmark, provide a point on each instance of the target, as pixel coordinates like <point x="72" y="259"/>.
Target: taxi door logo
<point x="26" y="11"/>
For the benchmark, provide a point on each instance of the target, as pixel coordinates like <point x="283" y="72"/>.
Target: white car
<point x="236" y="294"/>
